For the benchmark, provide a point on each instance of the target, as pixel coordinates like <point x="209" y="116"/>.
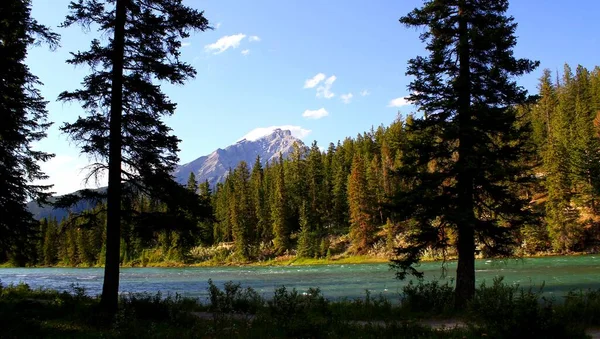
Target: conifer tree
<point x="23" y="121"/>
<point x="316" y="188"/>
<point x="360" y="202"/>
<point x="125" y="106"/>
<point x="192" y="184"/>
<point x="206" y="226"/>
<point x="467" y="148"/>
<point x="259" y="202"/>
<point x="306" y="239"/>
<point x="242" y="211"/>
<point x="279" y="211"/>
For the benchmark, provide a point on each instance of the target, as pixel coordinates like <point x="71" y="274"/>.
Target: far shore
<point x="292" y="261"/>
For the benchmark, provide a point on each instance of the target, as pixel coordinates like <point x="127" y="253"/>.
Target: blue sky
<point x="327" y="69"/>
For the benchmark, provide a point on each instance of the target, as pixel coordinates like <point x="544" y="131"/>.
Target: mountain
<point x="215" y="166"/>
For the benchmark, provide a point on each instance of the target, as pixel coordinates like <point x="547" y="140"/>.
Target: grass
<point x="497" y="311"/>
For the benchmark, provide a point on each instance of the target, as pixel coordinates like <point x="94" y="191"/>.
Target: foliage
<point x="428" y="297"/>
<point x="502" y="310"/>
<point x="233" y="298"/>
<point x="466" y="155"/>
<point x="24" y="122"/>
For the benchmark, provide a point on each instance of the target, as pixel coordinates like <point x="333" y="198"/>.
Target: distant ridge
<point x="213" y="167"/>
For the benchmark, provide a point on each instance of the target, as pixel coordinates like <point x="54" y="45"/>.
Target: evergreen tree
<point x="24" y="121"/>
<point x="316" y="188"/>
<point x="206" y="226"/>
<point x="124" y="106"/>
<point x="360" y="202"/>
<point x="50" y="249"/>
<point x="242" y="217"/>
<point x="262" y="231"/>
<point x="279" y="210"/>
<point x="192" y="184"/>
<point x="306" y="239"/>
<point x="467" y="148"/>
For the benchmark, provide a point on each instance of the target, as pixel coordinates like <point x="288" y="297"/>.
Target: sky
<point x="325" y="69"/>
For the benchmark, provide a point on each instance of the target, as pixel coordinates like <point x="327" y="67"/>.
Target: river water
<point x="558" y="274"/>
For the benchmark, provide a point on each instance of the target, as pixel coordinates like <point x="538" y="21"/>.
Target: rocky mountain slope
<point x="215" y="166"/>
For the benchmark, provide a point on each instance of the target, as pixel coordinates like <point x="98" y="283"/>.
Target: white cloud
<point x="67" y="174"/>
<point x="314" y="81"/>
<point x="186" y="44"/>
<point x="246" y="52"/>
<point x="399" y="102"/>
<point x="259" y="132"/>
<point x="346" y="98"/>
<point x="315" y="114"/>
<point x="365" y="92"/>
<point x="218" y="25"/>
<point x="225" y="43"/>
<point x="254" y="38"/>
<point x="324" y="91"/>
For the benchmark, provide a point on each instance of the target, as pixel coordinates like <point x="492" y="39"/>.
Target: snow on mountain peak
<point x="215" y="166"/>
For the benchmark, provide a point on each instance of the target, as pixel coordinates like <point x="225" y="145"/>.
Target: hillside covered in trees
<point x="333" y="203"/>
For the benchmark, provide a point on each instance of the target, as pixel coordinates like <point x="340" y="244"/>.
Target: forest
<point x="336" y="203"/>
<point x="481" y="168"/>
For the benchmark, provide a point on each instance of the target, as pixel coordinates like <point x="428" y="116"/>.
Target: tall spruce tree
<point x="24" y="121"/>
<point x="360" y="202"/>
<point x="123" y="127"/>
<point x="467" y="146"/>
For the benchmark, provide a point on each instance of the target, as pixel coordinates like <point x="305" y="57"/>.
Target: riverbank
<point x="289" y="260"/>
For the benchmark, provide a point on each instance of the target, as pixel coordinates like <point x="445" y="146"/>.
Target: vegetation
<point x="466" y="153"/>
<point x="484" y="171"/>
<point x="125" y="106"/>
<point x="497" y="311"/>
<point x="24" y="121"/>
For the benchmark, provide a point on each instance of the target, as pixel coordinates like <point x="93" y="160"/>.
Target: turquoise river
<point x="559" y="275"/>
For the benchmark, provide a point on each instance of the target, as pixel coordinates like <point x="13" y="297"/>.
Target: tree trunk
<point x="465" y="271"/>
<point x="110" y="287"/>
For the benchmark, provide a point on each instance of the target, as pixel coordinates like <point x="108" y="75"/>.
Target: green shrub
<point x="428" y="297"/>
<point x="233" y="298"/>
<point x="369" y="308"/>
<point x="296" y="314"/>
<point x="508" y="311"/>
<point x="581" y="308"/>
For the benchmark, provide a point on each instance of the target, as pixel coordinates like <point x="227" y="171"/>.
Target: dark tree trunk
<point x="110" y="288"/>
<point x="465" y="271"/>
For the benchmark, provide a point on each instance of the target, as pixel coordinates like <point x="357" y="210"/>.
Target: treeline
<point x="299" y="205"/>
<point x="566" y="134"/>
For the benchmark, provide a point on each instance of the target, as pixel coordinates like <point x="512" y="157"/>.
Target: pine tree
<point x="50" y="250"/>
<point x="243" y="219"/>
<point x="206" y="226"/>
<point x="279" y="211"/>
<point x="261" y="232"/>
<point x="306" y="239"/>
<point x="467" y="148"/>
<point x="316" y="188"/>
<point x="124" y="106"/>
<point x="360" y="202"/>
<point x="192" y="184"/>
<point x="24" y="121"/>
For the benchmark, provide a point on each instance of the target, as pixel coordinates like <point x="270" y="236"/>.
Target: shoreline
<point x="293" y="261"/>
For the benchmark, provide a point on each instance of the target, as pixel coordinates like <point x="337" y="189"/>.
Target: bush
<point x="306" y="315"/>
<point x="581" y="308"/>
<point x="369" y="308"/>
<point x="233" y="298"/>
<point x="430" y="297"/>
<point x="507" y="311"/>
